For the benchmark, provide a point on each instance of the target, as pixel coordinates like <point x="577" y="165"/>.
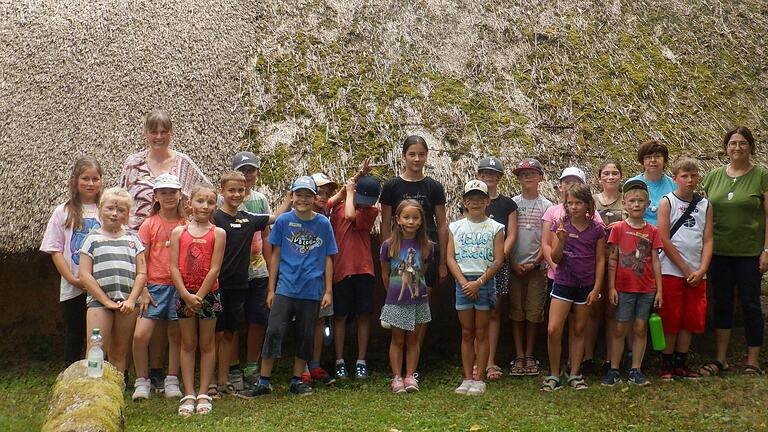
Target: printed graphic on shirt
<point x="636" y="259"/>
<point x="474" y="245"/>
<point x="197" y="261"/>
<point x="89" y="224"/>
<point x="409" y="274"/>
<point x="303" y="241"/>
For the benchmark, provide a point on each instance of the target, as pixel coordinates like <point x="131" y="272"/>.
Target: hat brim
<point x="166" y="186"/>
<point x="321" y="183"/>
<point x="365" y="200"/>
<point x="476" y="190"/>
<point x="251" y="164"/>
<point x="491" y="169"/>
<point x="516" y="171"/>
<point x="298" y="188"/>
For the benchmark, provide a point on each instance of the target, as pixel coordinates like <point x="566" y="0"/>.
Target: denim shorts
<point x="634" y="305"/>
<point x="572" y="294"/>
<point x="165" y="297"/>
<point x="486" y="296"/>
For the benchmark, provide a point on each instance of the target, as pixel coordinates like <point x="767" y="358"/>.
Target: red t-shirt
<point x="155" y="233"/>
<point x="353" y="240"/>
<point x="634" y="271"/>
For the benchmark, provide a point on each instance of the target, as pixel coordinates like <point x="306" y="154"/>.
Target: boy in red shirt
<point x="634" y="277"/>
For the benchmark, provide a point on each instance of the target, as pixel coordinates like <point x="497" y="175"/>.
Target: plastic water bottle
<point x="95" y="356"/>
<point x="328" y="332"/>
<point x="657" y="332"/>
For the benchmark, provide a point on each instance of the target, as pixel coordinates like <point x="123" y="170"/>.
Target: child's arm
<point x="139" y="284"/>
<point x="599" y="272"/>
<point x="339" y="195"/>
<point x="91" y="286"/>
<point x="547" y="239"/>
<point x="213" y="271"/>
<point x="706" y="251"/>
<point x="349" y="204"/>
<point x="386" y="222"/>
<point x="63" y="268"/>
<point x="613" y="262"/>
<point x="559" y="243"/>
<point x="328" y="294"/>
<point x="178" y="281"/>
<point x="442" y="237"/>
<point x="282" y="208"/>
<point x="669" y="249"/>
<point x="385" y="269"/>
<point x="509" y="243"/>
<point x="453" y="266"/>
<point x="274" y="268"/>
<point x="657" y="276"/>
<point x="266" y="248"/>
<point x="498" y="258"/>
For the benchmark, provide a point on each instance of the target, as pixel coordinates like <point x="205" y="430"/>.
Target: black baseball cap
<point x="634" y="184"/>
<point x="367" y="190"/>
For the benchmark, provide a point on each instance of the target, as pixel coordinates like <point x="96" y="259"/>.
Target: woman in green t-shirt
<point x="738" y="193"/>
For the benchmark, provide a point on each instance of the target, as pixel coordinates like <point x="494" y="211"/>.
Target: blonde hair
<point x="632" y="191"/>
<point x="396" y="237"/>
<point x="200" y="187"/>
<point x="156" y="119"/>
<point x="684" y="163"/>
<point x="117" y="193"/>
<point x="231" y="176"/>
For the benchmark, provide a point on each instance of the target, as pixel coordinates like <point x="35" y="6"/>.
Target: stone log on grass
<point x="83" y="404"/>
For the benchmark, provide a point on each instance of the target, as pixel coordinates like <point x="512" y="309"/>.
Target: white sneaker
<point x="464" y="387"/>
<point x="142" y="388"/>
<point x="477" y="388"/>
<point x="171" y="386"/>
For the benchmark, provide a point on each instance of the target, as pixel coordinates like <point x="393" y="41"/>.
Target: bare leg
<point x="266" y="367"/>
<point x="494" y="325"/>
<point x="640" y="329"/>
<point x="482" y="320"/>
<point x="318" y="348"/>
<point x="530" y="337"/>
<point x="396" y="347"/>
<point x="158" y="344"/>
<point x="579" y="324"/>
<point x="753" y="356"/>
<point x="467" y="321"/>
<point x="339" y="333"/>
<point x="123" y="328"/>
<point x="225" y="339"/>
<point x="363" y="335"/>
<point x="413" y="352"/>
<point x="141" y="338"/>
<point x="207" y="353"/>
<point x="188" y="328"/>
<point x="174" y="340"/>
<point x="722" y="339"/>
<point x="518" y="329"/>
<point x="102" y="319"/>
<point x="617" y="348"/>
<point x="592" y="328"/>
<point x="558" y="313"/>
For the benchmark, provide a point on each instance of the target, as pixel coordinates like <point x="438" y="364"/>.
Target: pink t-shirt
<point x="155" y="233"/>
<point x="634" y="270"/>
<point x="353" y="240"/>
<point x="59" y="238"/>
<point x="555" y="213"/>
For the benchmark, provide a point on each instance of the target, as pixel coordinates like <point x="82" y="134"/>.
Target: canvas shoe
<point x="319" y="374"/>
<point x="341" y="371"/>
<point x="361" y="371"/>
<point x="411" y="383"/>
<point x="397" y="385"/>
<point x="464" y="387"/>
<point x="477" y="388"/>
<point x="142" y="387"/>
<point x="171" y="387"/>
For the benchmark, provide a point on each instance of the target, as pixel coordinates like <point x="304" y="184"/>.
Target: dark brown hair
<point x="413" y="140"/>
<point x="607" y="162"/>
<point x="651" y="147"/>
<point x="743" y="131"/>
<point x="396" y="237"/>
<point x="583" y="193"/>
<point x="74" y="205"/>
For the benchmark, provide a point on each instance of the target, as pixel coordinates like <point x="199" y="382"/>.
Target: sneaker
<point x="300" y="388"/>
<point x="666" y="374"/>
<point x="157" y="382"/>
<point x="685" y="373"/>
<point x="464" y="387"/>
<point x="477" y="388"/>
<point x="341" y="371"/>
<point x="397" y="385"/>
<point x="236" y="380"/>
<point x="142" y="388"/>
<point x="361" y="371"/>
<point x="171" y="387"/>
<point x="306" y="377"/>
<point x="636" y="376"/>
<point x="411" y="383"/>
<point x="257" y="390"/>
<point x="319" y="374"/>
<point x="588" y="367"/>
<point x="611" y="378"/>
<point x="251" y="381"/>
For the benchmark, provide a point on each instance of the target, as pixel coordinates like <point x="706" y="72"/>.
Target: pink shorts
<point x="684" y="307"/>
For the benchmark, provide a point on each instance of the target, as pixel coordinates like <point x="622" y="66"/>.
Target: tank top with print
<point x="689" y="239"/>
<point x="195" y="255"/>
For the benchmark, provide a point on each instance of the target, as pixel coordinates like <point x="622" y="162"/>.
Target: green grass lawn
<point x="730" y="402"/>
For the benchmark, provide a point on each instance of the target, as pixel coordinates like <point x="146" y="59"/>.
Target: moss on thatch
<point x="318" y="85"/>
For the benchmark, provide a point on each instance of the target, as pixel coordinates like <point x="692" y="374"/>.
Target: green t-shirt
<point x="738" y="212"/>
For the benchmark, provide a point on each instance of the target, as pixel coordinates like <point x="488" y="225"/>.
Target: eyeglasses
<point x="653" y="156"/>
<point x="738" y="144"/>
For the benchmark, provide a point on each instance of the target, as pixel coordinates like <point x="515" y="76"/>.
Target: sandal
<point x="518" y="367"/>
<point x="752" y="370"/>
<point x="550" y="384"/>
<point x="187" y="409"/>
<point x="204" y="405"/>
<point x="213" y="391"/>
<point x="712" y="368"/>
<point x="532" y="369"/>
<point x="493" y="373"/>
<point x="577" y="382"/>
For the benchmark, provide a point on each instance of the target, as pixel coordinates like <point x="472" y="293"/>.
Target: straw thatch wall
<point x="318" y="84"/>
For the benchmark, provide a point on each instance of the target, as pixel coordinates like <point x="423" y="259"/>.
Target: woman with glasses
<point x="654" y="156"/>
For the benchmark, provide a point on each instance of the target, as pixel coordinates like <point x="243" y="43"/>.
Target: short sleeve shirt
<point x="304" y="245"/>
<point x="577" y="267"/>
<point x="529" y="214"/>
<point x="60" y="238"/>
<point x="473" y="244"/>
<point x="406" y="273"/>
<point x="240" y="231"/>
<point x="500" y="209"/>
<point x="557" y="212"/>
<point x="634" y="271"/>
<point x="737" y="211"/>
<point x="155" y="233"/>
<point x="656" y="190"/>
<point x="610" y="212"/>
<point x="427" y="191"/>
<point x="353" y="239"/>
<point x="114" y="263"/>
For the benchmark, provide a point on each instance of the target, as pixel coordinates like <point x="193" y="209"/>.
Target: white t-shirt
<point x="689" y="238"/>
<point x="59" y="238"/>
<point x="529" y="213"/>
<point x="473" y="244"/>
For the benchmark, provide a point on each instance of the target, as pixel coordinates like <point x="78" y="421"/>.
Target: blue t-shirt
<point x="656" y="190"/>
<point x="303" y="248"/>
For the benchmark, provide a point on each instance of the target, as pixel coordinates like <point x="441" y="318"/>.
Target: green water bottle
<point x="657" y="332"/>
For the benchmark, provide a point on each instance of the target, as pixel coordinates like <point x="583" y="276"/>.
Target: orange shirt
<point x="155" y="233"/>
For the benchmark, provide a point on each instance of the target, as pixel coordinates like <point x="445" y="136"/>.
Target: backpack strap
<point x="679" y="222"/>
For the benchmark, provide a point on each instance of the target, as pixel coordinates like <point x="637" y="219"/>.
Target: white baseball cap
<point x="575" y="172"/>
<point x="166" y="181"/>
<point x="476" y="185"/>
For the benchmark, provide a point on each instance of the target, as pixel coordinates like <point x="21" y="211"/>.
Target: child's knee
<point x="554" y="330"/>
<point x="640" y="328"/>
<point x="467" y="333"/>
<point x="621" y="329"/>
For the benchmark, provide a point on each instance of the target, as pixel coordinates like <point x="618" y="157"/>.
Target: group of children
<point x="218" y="257"/>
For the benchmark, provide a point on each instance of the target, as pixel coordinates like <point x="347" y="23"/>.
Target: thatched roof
<point x="314" y="85"/>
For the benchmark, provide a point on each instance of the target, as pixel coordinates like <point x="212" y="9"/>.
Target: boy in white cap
<point x="475" y="254"/>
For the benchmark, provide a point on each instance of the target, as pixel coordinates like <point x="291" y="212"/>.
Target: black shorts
<point x="256" y="311"/>
<point x="284" y="309"/>
<point x="353" y="295"/>
<point x="239" y="305"/>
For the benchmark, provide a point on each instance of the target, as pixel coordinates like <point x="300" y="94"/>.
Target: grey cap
<point x="245" y="158"/>
<point x="491" y="163"/>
